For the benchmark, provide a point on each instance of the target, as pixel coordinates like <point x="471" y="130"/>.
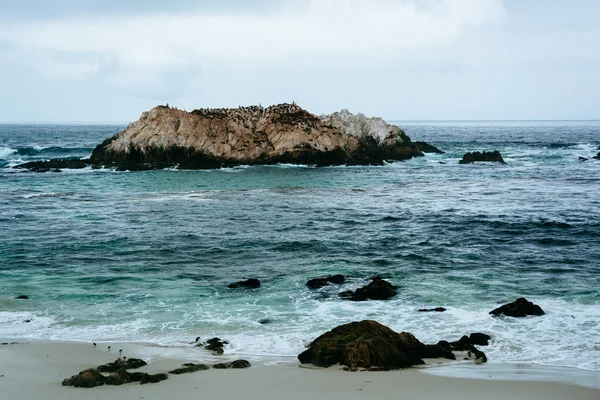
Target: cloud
<point x="325" y="32"/>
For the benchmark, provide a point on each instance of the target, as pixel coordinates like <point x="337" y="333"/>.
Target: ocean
<point x="146" y="257"/>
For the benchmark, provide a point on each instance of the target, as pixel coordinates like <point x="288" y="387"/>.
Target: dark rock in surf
<point x="214" y="344"/>
<point x="237" y="364"/>
<point x="369" y="345"/>
<point x="86" y="379"/>
<point x="437" y="309"/>
<point x="480" y="339"/>
<point x="464" y="344"/>
<point x="55" y="164"/>
<point x="427" y="148"/>
<point x="518" y="308"/>
<point x="596" y="157"/>
<point x="316" y="283"/>
<point x="248" y="284"/>
<point x="189" y="367"/>
<point x="378" y="289"/>
<point x="22" y="297"/>
<point x="486" y="156"/>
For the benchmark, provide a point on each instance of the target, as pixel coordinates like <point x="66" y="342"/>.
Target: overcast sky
<point x="109" y="60"/>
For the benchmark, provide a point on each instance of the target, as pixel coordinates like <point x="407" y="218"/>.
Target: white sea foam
<point x="6" y="151"/>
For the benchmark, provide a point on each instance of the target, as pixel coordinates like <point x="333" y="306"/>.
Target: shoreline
<point x="36" y="369"/>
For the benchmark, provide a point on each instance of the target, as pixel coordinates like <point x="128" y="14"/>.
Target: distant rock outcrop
<point x="166" y="137"/>
<point x="518" y="308"/>
<point x="486" y="156"/>
<point x="251" y="283"/>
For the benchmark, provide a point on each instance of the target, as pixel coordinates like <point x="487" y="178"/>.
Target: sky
<point x="109" y="60"/>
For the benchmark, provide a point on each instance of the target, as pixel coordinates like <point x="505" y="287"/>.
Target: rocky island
<point x="166" y="137"/>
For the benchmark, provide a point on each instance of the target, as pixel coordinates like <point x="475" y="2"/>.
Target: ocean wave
<point x="6" y="151"/>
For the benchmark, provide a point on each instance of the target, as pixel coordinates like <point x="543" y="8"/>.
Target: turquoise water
<point x="147" y="256"/>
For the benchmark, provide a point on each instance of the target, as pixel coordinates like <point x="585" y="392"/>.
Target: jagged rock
<point x="378" y="289"/>
<point x="248" y="284"/>
<point x="370" y="345"/>
<point x="86" y="379"/>
<point x="518" y="308"/>
<point x="237" y="364"/>
<point x="486" y="156"/>
<point x="118" y="378"/>
<point x="214" y="344"/>
<point x="582" y="159"/>
<point x="55" y="164"/>
<point x="427" y="148"/>
<point x="437" y="309"/>
<point x="285" y="133"/>
<point x="130" y="363"/>
<point x="22" y="297"/>
<point x="480" y="339"/>
<point x="597" y="156"/>
<point x="320" y="282"/>
<point x="189" y="367"/>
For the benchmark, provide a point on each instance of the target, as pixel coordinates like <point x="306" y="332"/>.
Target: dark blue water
<point x="147" y="256"/>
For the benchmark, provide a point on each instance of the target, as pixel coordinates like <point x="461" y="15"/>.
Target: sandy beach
<point x="36" y="370"/>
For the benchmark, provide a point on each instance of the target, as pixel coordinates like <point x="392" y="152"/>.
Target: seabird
<point x="120" y="351"/>
<point x="198" y="338"/>
<point x="94" y="344"/>
<point x="108" y="348"/>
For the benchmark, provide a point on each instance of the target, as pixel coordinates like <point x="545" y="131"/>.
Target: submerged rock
<point x="369" y="345"/>
<point x="378" y="289"/>
<point x="237" y="364"/>
<point x="316" y="283"/>
<point x="248" y="284"/>
<point x="86" y="379"/>
<point x="518" y="308"/>
<point x="486" y="156"/>
<point x="597" y="156"/>
<point x="189" y="367"/>
<point x="437" y="309"/>
<point x="55" y="164"/>
<point x="22" y="297"/>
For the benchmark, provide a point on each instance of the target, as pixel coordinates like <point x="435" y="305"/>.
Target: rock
<point x="144" y="377"/>
<point x="464" y="344"/>
<point x="427" y="148"/>
<point x="486" y="156"/>
<point x="248" y="284"/>
<point x="130" y="363"/>
<point x="213" y="138"/>
<point x="118" y="378"/>
<point x="519" y="308"/>
<point x="189" y="367"/>
<point x="316" y="283"/>
<point x="214" y="344"/>
<point x="437" y="309"/>
<point x="368" y="344"/>
<point x="22" y="297"/>
<point x="55" y="164"/>
<point x="480" y="339"/>
<point x="378" y="289"/>
<point x="86" y="379"/>
<point x="582" y="158"/>
<point x="596" y="157"/>
<point x="237" y="364"/>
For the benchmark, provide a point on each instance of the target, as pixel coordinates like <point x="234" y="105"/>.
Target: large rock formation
<point x="285" y="133"/>
<point x="369" y="345"/>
